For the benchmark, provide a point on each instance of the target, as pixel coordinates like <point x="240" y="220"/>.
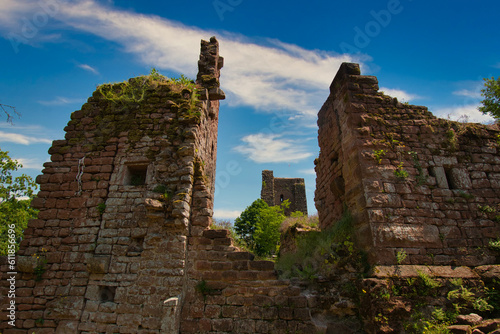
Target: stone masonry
<point x="133" y="178"/>
<point x="275" y="190"/>
<point x="414" y="183"/>
<point x="122" y="242"/>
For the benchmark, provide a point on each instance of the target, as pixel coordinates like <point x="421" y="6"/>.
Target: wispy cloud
<point x="400" y="94"/>
<point x="59" y="101"/>
<point x="226" y="214"/>
<point x="262" y="148"/>
<point x="470" y="111"/>
<point x="475" y="94"/>
<point x="267" y="77"/>
<point x="30" y="163"/>
<point x="22" y="139"/>
<point x="88" y="68"/>
<point x="310" y="171"/>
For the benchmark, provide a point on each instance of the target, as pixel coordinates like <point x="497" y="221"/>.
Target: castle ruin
<point x="122" y="243"/>
<point x="413" y="182"/>
<point x="276" y="190"/>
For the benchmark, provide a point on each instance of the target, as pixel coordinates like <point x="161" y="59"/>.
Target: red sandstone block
<point x="213" y="275"/>
<point x="263" y="327"/>
<point x="261" y="300"/>
<point x="234" y="311"/>
<point x="221" y="265"/>
<point x="240" y="265"/>
<point x="212" y="311"/>
<point x="223" y="242"/>
<point x="222" y="325"/>
<point x="240" y="256"/>
<point x="230" y="275"/>
<point x="202" y="265"/>
<point x="77" y="202"/>
<point x="196" y="310"/>
<point x="266" y="275"/>
<point x="189" y="326"/>
<point x="217" y="256"/>
<point x="302" y="314"/>
<point x="202" y="241"/>
<point x="65" y="214"/>
<point x="91" y="185"/>
<point x="239" y="300"/>
<point x="261" y="265"/>
<point x="214" y="234"/>
<point x="47" y="214"/>
<point x="285" y="313"/>
<point x="244" y="326"/>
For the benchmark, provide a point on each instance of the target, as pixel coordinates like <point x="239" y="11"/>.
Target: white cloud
<point x="456" y="112"/>
<point x="262" y="148"/>
<point x="22" y="139"/>
<point x="475" y="94"/>
<point x="59" y="101"/>
<point x="88" y="68"/>
<point x="310" y="171"/>
<point x="226" y="214"/>
<point x="29" y="163"/>
<point x="270" y="77"/>
<point x="400" y="94"/>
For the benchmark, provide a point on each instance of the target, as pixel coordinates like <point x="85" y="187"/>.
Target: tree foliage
<point x="16" y="194"/>
<point x="259" y="226"/>
<point x="491" y="94"/>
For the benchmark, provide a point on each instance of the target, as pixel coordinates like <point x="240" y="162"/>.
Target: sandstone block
<point x="406" y="235"/>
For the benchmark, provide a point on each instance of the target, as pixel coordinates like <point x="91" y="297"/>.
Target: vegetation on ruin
<point x="378" y="155"/>
<point x="16" y="194"/>
<point x="204" y="289"/>
<point x="40" y="264"/>
<point x="426" y="304"/>
<point x="298" y="219"/>
<point x="400" y="172"/>
<point x="123" y="105"/>
<point x="323" y="253"/>
<point x="491" y="94"/>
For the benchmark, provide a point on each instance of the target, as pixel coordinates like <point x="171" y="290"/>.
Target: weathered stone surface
<point x="395" y="176"/>
<point x="469" y="319"/>
<point x="406" y="235"/>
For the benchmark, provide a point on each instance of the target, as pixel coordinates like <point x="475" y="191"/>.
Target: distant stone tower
<point x="275" y="190"/>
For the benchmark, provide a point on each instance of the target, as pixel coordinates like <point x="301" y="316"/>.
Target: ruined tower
<point x="275" y="190"/>
<point x="131" y="181"/>
<point x="413" y="183"/>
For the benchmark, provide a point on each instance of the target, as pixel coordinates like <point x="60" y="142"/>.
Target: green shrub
<point x="259" y="226"/>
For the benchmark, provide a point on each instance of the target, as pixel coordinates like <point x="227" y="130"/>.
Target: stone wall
<point x="275" y="190"/>
<point x="415" y="184"/>
<point x="123" y="244"/>
<point x="133" y="178"/>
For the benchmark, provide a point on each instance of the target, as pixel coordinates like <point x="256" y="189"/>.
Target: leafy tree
<point x="16" y="194"/>
<point x="491" y="94"/>
<point x="258" y="225"/>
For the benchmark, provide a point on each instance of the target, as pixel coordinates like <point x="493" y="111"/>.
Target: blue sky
<point x="280" y="58"/>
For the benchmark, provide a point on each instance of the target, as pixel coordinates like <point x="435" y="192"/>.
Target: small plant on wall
<point x="400" y="172"/>
<point x="378" y="155"/>
<point x="40" y="261"/>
